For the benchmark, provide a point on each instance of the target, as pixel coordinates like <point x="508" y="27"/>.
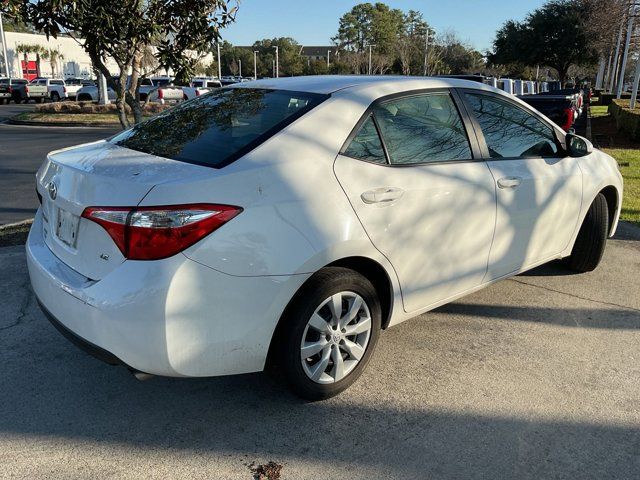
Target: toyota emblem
<point x="53" y="190"/>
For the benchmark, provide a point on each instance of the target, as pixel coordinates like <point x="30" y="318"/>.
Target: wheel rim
<point x="336" y="337"/>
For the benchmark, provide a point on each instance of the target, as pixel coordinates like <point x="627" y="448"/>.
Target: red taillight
<point x="64" y="89"/>
<point x="26" y="89"/>
<point x="197" y="92"/>
<point x="568" y="119"/>
<point x="160" y="93"/>
<point x="152" y="233"/>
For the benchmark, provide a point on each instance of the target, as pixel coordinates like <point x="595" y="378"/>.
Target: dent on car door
<point x="424" y="201"/>
<point x="539" y="189"/>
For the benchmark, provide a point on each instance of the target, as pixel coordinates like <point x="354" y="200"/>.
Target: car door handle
<point x="509" y="182"/>
<point x="382" y="195"/>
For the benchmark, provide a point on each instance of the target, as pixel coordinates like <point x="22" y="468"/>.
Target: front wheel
<point x="592" y="238"/>
<point x="329" y="333"/>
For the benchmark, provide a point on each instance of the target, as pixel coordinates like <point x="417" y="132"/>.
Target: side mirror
<point x="578" y="146"/>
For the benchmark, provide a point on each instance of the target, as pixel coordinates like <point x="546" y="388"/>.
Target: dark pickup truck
<point x="562" y="108"/>
<point x="6" y="88"/>
<point x="18" y="90"/>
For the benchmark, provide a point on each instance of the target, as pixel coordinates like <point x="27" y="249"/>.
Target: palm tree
<point x="26" y="49"/>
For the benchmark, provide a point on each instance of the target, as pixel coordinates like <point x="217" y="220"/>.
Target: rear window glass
<point x="216" y="128"/>
<point x="4" y="81"/>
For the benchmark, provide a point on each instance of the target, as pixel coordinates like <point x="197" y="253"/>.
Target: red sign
<point x="29" y="69"/>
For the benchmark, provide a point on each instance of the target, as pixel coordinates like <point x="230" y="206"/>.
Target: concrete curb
<point x="15" y="233"/>
<point x="30" y="123"/>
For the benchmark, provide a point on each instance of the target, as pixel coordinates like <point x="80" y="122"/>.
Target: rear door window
<point x="366" y="145"/>
<point x="216" y="128"/>
<point x="422" y="128"/>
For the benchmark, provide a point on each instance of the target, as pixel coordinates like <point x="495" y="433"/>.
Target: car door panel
<point x="536" y="219"/>
<point x="539" y="190"/>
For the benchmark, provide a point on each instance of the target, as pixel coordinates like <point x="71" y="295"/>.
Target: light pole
<point x="426" y="52"/>
<point x="625" y="54"/>
<point x="4" y="48"/>
<point x="219" y="64"/>
<point x="277" y="69"/>
<point x="255" y="64"/>
<point x="240" y="68"/>
<point x="370" y="47"/>
<point x="273" y="68"/>
<point x="328" y="55"/>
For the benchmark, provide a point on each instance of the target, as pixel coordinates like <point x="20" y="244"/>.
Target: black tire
<point x="39" y="100"/>
<point x="322" y="285"/>
<point x="592" y="238"/>
<point x="17" y="99"/>
<point x="55" y="97"/>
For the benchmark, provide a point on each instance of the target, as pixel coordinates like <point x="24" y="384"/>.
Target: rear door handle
<point x="382" y="195"/>
<point x="509" y="182"/>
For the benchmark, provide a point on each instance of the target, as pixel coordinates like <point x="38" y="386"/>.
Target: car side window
<point x="510" y="131"/>
<point x="366" y="145"/>
<point x="422" y="129"/>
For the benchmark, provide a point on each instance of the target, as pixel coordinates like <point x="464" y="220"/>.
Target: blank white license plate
<point x="67" y="227"/>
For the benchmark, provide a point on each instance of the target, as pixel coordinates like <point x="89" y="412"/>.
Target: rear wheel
<point x="592" y="238"/>
<point x="39" y="100"/>
<point x="55" y="97"/>
<point x="329" y="333"/>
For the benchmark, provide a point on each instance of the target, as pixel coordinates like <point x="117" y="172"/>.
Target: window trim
<point x="559" y="135"/>
<point x="474" y="145"/>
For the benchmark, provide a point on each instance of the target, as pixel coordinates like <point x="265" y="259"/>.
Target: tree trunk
<point x="133" y="92"/>
<point x="120" y="88"/>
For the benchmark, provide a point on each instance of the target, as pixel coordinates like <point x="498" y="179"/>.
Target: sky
<point x="315" y="22"/>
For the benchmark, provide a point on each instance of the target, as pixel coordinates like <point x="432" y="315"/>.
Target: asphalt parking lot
<point x="534" y="377"/>
<point x="22" y="151"/>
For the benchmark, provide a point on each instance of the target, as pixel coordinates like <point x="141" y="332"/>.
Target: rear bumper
<point x="100" y="353"/>
<point x="172" y="317"/>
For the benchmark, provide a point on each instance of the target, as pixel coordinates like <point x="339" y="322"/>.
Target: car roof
<point x="327" y="84"/>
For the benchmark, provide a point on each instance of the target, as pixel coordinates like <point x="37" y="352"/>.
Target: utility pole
<point x="255" y="64"/>
<point x="636" y="79"/>
<point x="426" y="52"/>
<point x="3" y="39"/>
<point x="240" y="68"/>
<point x="328" y="54"/>
<point x="219" y="63"/>
<point x="277" y="69"/>
<point x="615" y="57"/>
<point x="370" y="64"/>
<point x="632" y="14"/>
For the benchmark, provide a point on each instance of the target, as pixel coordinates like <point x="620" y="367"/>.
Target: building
<point x="72" y="63"/>
<point x="319" y="52"/>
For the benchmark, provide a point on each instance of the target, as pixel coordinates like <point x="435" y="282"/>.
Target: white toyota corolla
<point x="288" y="221"/>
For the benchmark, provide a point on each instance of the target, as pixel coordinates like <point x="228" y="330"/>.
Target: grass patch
<point x="110" y="118"/>
<point x="598" y="111"/>
<point x="631" y="175"/>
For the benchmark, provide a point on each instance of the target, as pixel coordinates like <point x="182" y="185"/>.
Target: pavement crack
<point x="587" y="299"/>
<point x="22" y="310"/>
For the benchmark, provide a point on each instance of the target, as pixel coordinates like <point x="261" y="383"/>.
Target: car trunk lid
<point x="97" y="174"/>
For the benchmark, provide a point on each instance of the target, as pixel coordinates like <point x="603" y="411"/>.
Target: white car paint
<point x="212" y="309"/>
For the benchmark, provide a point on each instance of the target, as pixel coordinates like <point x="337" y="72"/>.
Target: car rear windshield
<point x="219" y="127"/>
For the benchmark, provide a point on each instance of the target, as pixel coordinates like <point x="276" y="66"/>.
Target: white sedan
<point x="288" y="221"/>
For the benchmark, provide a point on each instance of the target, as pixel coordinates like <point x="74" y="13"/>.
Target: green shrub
<point x="608" y="98"/>
<point x="627" y="120"/>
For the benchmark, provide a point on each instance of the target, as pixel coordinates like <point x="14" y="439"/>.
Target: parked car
<point x="166" y="94"/>
<point x="56" y="87"/>
<point x="23" y="92"/>
<point x="200" y="86"/>
<point x="6" y="88"/>
<point x="90" y="93"/>
<point x="147" y="85"/>
<point x="287" y="221"/>
<point x="75" y="84"/>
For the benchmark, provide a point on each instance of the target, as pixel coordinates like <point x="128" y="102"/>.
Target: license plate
<point x="67" y="227"/>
